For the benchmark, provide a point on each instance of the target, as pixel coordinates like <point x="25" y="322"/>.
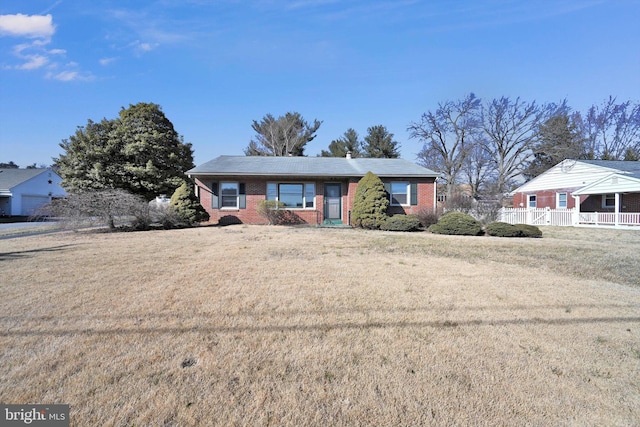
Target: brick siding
<point x="256" y="190"/>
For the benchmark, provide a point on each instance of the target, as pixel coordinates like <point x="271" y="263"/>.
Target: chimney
<point x="348" y="154"/>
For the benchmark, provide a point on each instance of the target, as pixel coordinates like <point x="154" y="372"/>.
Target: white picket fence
<point x="567" y="217"/>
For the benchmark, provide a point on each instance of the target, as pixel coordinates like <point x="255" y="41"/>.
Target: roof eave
<point x="319" y="175"/>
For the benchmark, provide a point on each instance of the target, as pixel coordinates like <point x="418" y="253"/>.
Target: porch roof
<point x="610" y="184"/>
<point x="310" y="166"/>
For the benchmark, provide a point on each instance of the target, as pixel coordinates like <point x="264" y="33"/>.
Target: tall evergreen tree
<point x="560" y="138"/>
<point x="348" y="143"/>
<point x="284" y="136"/>
<point x="379" y="143"/>
<point x="139" y="152"/>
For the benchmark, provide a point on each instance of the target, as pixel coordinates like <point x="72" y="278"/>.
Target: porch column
<point x="576" y="211"/>
<point x="617" y="210"/>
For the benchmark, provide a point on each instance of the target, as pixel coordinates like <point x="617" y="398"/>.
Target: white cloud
<point x="69" y="76"/>
<point x="32" y="26"/>
<point x="33" y="62"/>
<point x="106" y="61"/>
<point x="34" y="54"/>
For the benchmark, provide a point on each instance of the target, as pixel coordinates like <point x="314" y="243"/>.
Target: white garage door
<point x="30" y="204"/>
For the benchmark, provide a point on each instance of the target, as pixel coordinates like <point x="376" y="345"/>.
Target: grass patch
<point x="249" y="325"/>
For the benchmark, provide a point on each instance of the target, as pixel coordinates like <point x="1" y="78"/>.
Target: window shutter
<point x="242" y="193"/>
<point x="215" y="204"/>
<point x="414" y="193"/>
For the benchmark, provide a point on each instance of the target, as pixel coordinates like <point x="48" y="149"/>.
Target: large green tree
<point x="139" y="152"/>
<point x="560" y="138"/>
<point x="284" y="136"/>
<point x="347" y="143"/>
<point x="380" y="143"/>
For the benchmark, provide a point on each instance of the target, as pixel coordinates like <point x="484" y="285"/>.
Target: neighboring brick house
<point x="316" y="190"/>
<point x="589" y="185"/>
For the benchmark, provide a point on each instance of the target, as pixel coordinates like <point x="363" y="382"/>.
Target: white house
<point x="23" y="191"/>
<point x="574" y="192"/>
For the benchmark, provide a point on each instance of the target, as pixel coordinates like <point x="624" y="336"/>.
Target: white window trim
<point x="304" y="194"/>
<point x="407" y="193"/>
<point x="604" y="201"/>
<point x="566" y="200"/>
<point x="230" y="208"/>
<point x="529" y="201"/>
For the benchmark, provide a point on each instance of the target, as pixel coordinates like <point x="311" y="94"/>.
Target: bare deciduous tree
<point x="612" y="130"/>
<point x="511" y="131"/>
<point x="448" y="134"/>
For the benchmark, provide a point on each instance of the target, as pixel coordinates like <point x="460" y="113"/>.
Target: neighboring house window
<point x="561" y="200"/>
<point x="608" y="200"/>
<point x="293" y="195"/>
<point x="531" y="201"/>
<point x="229" y="195"/>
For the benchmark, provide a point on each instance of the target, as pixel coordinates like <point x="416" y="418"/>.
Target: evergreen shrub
<point x="502" y="229"/>
<point x="528" y="230"/>
<point x="457" y="223"/>
<point x="401" y="222"/>
<point x="187" y="206"/>
<point x="370" y="203"/>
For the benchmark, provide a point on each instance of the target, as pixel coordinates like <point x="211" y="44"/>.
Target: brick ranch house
<point x="581" y="192"/>
<point x="317" y="190"/>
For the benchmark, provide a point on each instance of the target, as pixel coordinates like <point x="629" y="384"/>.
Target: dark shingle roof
<point x="630" y="167"/>
<point x="9" y="178"/>
<point x="310" y="166"/>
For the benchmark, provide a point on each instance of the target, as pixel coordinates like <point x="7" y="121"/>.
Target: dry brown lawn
<point x="258" y="325"/>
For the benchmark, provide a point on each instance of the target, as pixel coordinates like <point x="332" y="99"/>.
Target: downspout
<point x="435" y="195"/>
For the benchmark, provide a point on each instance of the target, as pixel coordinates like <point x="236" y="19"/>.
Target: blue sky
<point x="216" y="65"/>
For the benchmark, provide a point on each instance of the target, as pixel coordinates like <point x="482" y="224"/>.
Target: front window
<point x="561" y="201"/>
<point x="531" y="201"/>
<point x="293" y="195"/>
<point x="608" y="200"/>
<point x="229" y="193"/>
<point x="399" y="193"/>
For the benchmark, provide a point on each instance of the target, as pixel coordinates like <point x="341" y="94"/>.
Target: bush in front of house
<point x="427" y="217"/>
<point x="503" y="229"/>
<point x="528" y="230"/>
<point x="187" y="206"/>
<point x="457" y="223"/>
<point x="370" y="203"/>
<point x="401" y="222"/>
<point x="271" y="210"/>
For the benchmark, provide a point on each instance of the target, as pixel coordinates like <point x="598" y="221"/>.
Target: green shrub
<point x="502" y="229"/>
<point x="457" y="223"/>
<point x="528" y="230"/>
<point x="401" y="222"/>
<point x="187" y="206"/>
<point x="370" y="202"/>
